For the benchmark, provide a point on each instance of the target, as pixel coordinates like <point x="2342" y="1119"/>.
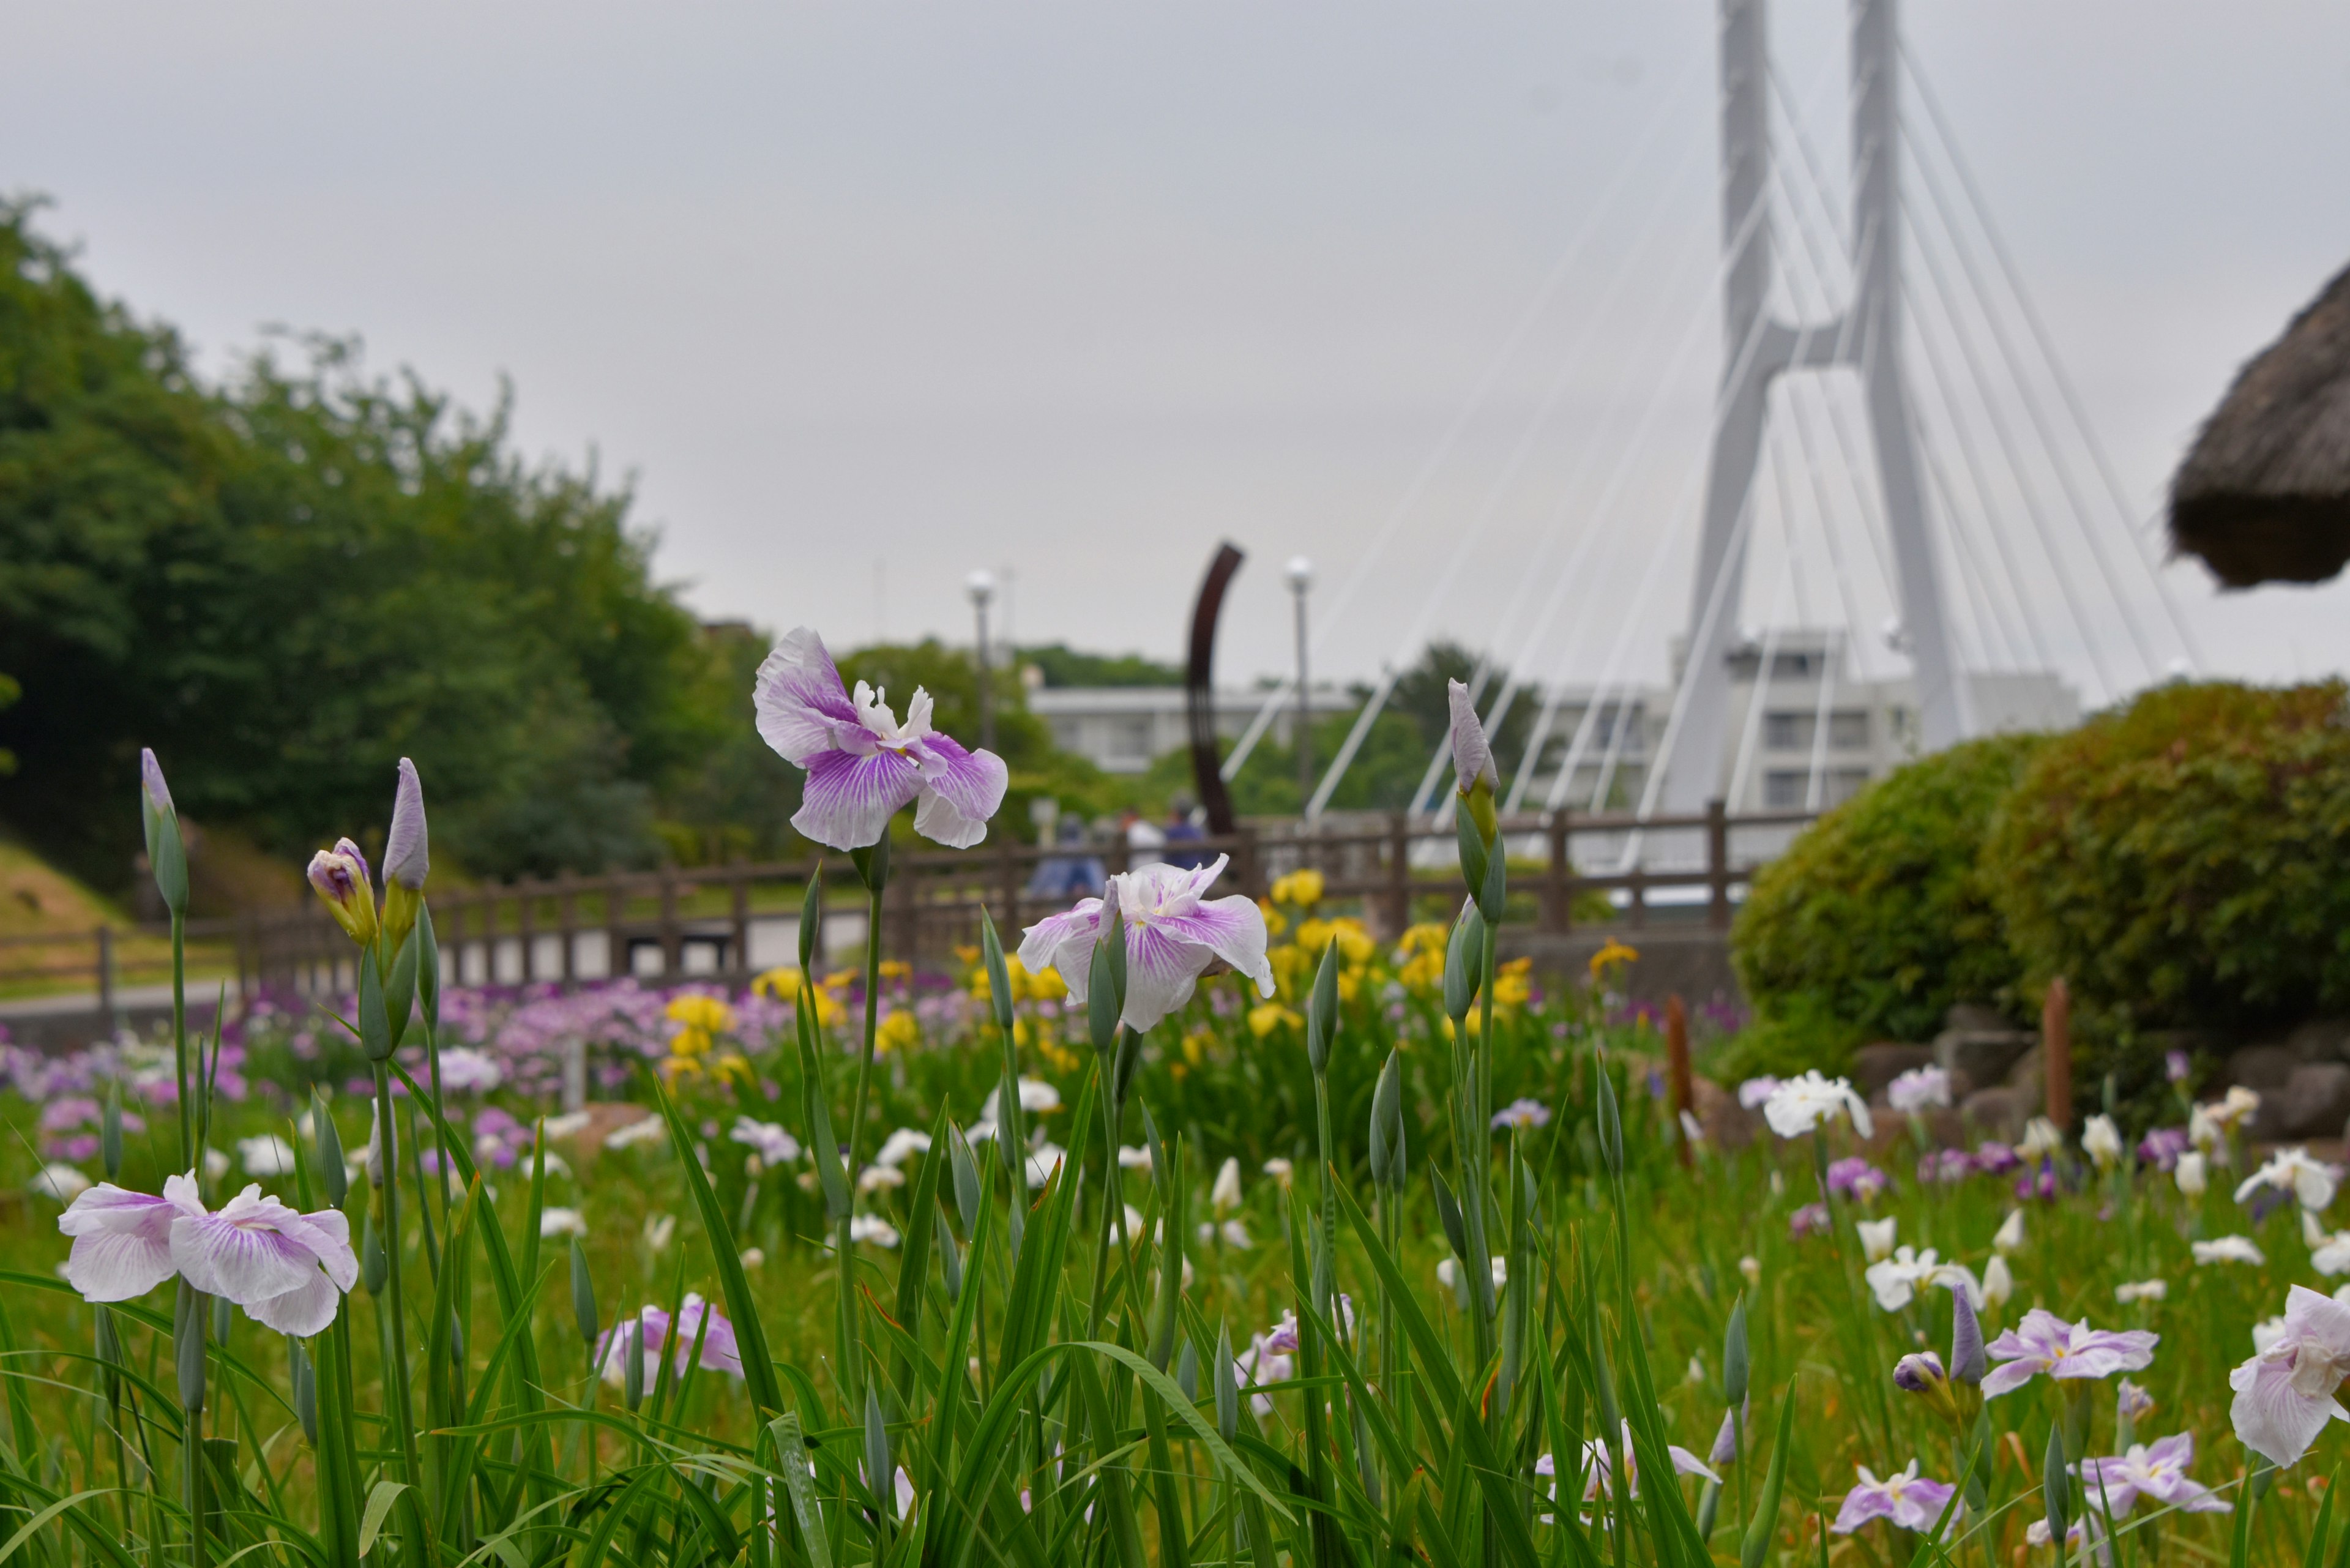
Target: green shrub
<point x="2185" y="860"/>
<point x="1876" y="919"/>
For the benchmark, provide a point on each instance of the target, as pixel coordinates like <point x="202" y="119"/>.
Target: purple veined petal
<point x="798" y="696"/>
<point x="1161" y="971"/>
<point x="1921" y="1503"/>
<point x="720" y="1351"/>
<point x="330" y="1243"/>
<point x="242" y="1252"/>
<point x="1233" y="929"/>
<point x="961" y="790"/>
<point x="1064" y="943"/>
<point x="611" y="1348"/>
<point x="118" y="1265"/>
<point x="1688" y="1464"/>
<point x="1203" y="877"/>
<point x="122" y="1242"/>
<point x="407" y="856"/>
<point x="2269" y="1417"/>
<point x="1861" y="1504"/>
<point x="302" y="1311"/>
<point x="848" y="800"/>
<point x="2008" y="1377"/>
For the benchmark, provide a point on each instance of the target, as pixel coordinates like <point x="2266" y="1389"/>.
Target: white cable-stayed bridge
<point x="1904" y="528"/>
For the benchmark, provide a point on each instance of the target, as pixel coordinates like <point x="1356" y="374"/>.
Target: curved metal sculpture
<point x="1200" y="691"/>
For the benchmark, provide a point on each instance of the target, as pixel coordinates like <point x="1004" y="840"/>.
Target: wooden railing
<point x="728" y="922"/>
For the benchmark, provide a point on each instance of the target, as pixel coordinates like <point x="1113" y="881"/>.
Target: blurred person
<point x="1183" y="828"/>
<point x="1144" y="840"/>
<point x="1072" y="874"/>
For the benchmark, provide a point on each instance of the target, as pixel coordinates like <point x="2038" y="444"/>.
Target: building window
<point x="1783" y="790"/>
<point x="1848" y="729"/>
<point x="1130" y="739"/>
<point x="1069" y="735"/>
<point x="1787" y="732"/>
<point x="1846" y="783"/>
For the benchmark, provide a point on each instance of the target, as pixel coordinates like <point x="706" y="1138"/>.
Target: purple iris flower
<point x="864" y="766"/>
<point x="1172" y="935"/>
<point x="1854" y="1178"/>
<point x="2176" y="1067"/>
<point x="1811" y="1217"/>
<point x="2158" y="1471"/>
<point x="2162" y="1146"/>
<point x="720" y="1352"/>
<point x="1908" y="1499"/>
<point x="1995" y="1159"/>
<point x="286" y="1269"/>
<point x="1943" y="1167"/>
<point x="2040" y="1184"/>
<point x="2043" y="1341"/>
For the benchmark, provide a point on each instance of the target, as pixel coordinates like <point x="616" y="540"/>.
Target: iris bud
<point x="340" y="876"/>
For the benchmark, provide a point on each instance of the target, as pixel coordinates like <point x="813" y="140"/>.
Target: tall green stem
<point x="852" y="1374"/>
<point x="180" y="1037"/>
<point x="392" y="1301"/>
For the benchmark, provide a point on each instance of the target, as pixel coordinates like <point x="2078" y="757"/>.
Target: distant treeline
<point x="286" y="581"/>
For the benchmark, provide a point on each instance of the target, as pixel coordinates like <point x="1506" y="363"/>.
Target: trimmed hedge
<point x="2185" y="860"/>
<point x="1876" y="920"/>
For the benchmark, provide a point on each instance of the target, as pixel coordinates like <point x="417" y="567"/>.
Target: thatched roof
<point x="2264" y="494"/>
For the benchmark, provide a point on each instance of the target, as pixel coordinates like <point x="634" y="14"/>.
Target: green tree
<point x="286" y="583"/>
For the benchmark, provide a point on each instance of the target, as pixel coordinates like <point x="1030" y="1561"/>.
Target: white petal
<point x="302" y="1311"/>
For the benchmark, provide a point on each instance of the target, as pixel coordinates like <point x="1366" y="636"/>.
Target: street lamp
<point x="981" y="587"/>
<point x="1300" y="573"/>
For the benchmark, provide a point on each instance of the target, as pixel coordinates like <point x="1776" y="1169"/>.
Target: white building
<point x="1124" y="729"/>
<point x="1810" y="740"/>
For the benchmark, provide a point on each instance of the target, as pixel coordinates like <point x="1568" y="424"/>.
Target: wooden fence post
<point x="1717" y="864"/>
<point x="1399" y="900"/>
<point x="566" y="915"/>
<point x="1557" y="896"/>
<point x="526" y="926"/>
<point x="2056" y="1051"/>
<point x="616" y="940"/>
<point x="671" y="940"/>
<point x="739" y="886"/>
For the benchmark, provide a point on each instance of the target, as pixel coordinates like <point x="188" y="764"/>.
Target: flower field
<point x="1180" y="1228"/>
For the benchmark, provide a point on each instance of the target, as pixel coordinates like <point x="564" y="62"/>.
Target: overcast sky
<point x="866" y="296"/>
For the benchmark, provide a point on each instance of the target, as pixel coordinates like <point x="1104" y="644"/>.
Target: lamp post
<point x="1300" y="572"/>
<point x="981" y="587"/>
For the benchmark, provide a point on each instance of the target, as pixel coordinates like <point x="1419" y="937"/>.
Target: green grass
<point x="1060" y="1402"/>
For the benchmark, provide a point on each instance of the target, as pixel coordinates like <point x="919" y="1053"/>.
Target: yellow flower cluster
<point x="1354" y="944"/>
<point x="784" y="984"/>
<point x="1514" y="984"/>
<point x="1420" y="959"/>
<point x="1044" y="985"/>
<point x="700" y="1020"/>
<point x="899" y="1029"/>
<point x="1266" y="1017"/>
<point x="1611" y="955"/>
<point x="1301" y="890"/>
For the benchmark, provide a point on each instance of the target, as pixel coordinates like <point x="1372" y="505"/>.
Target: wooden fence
<point x="726" y="924"/>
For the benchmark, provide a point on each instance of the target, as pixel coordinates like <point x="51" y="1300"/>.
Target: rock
<point x="1875" y="1067"/>
<point x="2320" y="1040"/>
<point x="1726" y="1124"/>
<point x="2261" y="1067"/>
<point x="1996" y="1113"/>
<point x="1984" y="1055"/>
<point x="2313" y="1103"/>
<point x="1975" y="1018"/>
